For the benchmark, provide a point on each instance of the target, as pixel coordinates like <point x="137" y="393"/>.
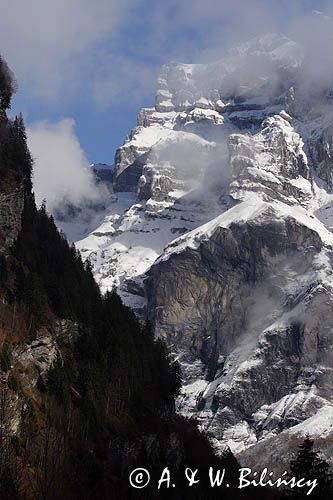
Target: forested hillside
<point x="87" y="394"/>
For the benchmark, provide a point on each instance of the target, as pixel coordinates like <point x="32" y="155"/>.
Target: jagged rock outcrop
<point x="205" y="289"/>
<point x="221" y="234"/>
<point x="11" y="207"/>
<point x="11" y="195"/>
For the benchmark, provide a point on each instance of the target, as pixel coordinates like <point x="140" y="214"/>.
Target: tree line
<point x="107" y="404"/>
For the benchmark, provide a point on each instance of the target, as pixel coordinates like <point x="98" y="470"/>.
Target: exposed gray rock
<point x="235" y="162"/>
<point x="11" y="207"/>
<point x="35" y="359"/>
<point x="196" y="297"/>
<point x="321" y="154"/>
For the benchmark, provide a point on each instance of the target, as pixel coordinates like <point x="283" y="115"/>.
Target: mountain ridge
<point x="86" y="393"/>
<point x="236" y="159"/>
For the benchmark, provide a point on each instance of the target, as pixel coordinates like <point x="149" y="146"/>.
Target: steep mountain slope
<point x="221" y="232"/>
<point x="86" y="392"/>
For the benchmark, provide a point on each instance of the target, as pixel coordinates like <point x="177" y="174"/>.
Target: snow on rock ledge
<point x="220" y="230"/>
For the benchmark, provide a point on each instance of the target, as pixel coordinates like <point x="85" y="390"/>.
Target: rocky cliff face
<point x="11" y="206"/>
<point x="220" y="231"/>
<point x="11" y="196"/>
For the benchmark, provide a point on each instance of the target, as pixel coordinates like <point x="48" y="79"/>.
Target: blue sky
<point x="97" y="62"/>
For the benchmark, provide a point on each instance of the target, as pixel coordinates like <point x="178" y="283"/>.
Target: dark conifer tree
<point x="308" y="464"/>
<point x="7" y="85"/>
<point x="109" y="397"/>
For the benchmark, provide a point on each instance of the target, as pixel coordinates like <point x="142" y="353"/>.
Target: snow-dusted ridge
<point x="220" y="230"/>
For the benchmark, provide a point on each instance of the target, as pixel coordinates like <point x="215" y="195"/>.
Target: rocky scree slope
<point x="220" y="231"/>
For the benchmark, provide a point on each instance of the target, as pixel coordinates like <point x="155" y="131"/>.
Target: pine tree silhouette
<point x="308" y="464"/>
<point x="7" y="85"/>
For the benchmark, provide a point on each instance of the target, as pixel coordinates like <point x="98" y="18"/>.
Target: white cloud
<point x="107" y="50"/>
<point x="50" y="44"/>
<point x="61" y="172"/>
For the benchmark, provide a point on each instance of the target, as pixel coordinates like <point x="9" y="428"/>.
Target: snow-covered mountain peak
<point x="244" y="71"/>
<point x="220" y="230"/>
